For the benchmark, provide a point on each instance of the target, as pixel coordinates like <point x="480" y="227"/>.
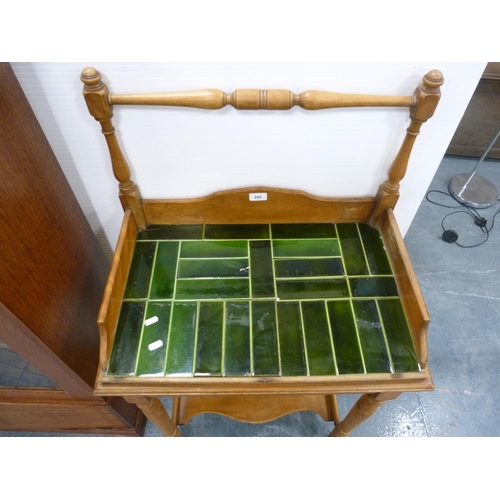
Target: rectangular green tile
<point x="237" y="232"/>
<point x="302" y="231"/>
<point x="374" y="248"/>
<point x="209" y="339"/>
<point x="302" y="268"/>
<point x="264" y="339"/>
<point x="354" y="258"/>
<point x="237" y="339"/>
<point x="312" y="289"/>
<point x="373" y="287"/>
<point x="306" y="248"/>
<point x="213" y="268"/>
<point x="261" y="267"/>
<point x="371" y="336"/>
<point x="139" y="275"/>
<point x="404" y="356"/>
<point x="172" y="232"/>
<point x="151" y="360"/>
<point x="127" y="338"/>
<point x="290" y="339"/>
<point x="213" y="249"/>
<point x="318" y="342"/>
<point x="165" y="267"/>
<point x="217" y="288"/>
<point x="345" y="339"/>
<point x="181" y="338"/>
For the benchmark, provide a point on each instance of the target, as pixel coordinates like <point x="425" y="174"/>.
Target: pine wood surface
<point x="233" y="206"/>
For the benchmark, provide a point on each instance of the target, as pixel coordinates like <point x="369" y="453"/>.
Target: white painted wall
<point x="179" y="153"/>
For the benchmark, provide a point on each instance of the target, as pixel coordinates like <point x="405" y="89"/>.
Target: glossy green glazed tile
<point x="221" y="288"/>
<point x="213" y="268"/>
<point x="181" y="338"/>
<point x="291" y="341"/>
<point x="153" y="346"/>
<point x="237" y="231"/>
<point x="371" y="337"/>
<point x="172" y="232"/>
<point x="139" y="275"/>
<point x="404" y="356"/>
<point x="209" y="339"/>
<point x="165" y="267"/>
<point x="375" y="251"/>
<point x="373" y="287"/>
<point x="237" y="339"/>
<point x="303" y="268"/>
<point x="345" y="339"/>
<point x="306" y="248"/>
<point x="264" y="339"/>
<point x="212" y="249"/>
<point x="312" y="289"/>
<point x="354" y="258"/>
<point x="127" y="338"/>
<point x="317" y="335"/>
<point x="302" y="231"/>
<point x="261" y="266"/>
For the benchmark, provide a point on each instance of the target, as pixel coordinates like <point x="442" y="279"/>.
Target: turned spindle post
<point x="155" y="411"/>
<point x="96" y="96"/>
<point x="363" y="409"/>
<point x="427" y="96"/>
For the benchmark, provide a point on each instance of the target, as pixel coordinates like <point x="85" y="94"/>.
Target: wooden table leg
<point x="364" y="408"/>
<point x="155" y="411"/>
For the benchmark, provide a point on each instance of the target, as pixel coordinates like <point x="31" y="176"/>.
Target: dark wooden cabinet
<point x="481" y="120"/>
<point x="52" y="276"/>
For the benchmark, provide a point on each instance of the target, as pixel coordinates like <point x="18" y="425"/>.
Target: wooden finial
<point x="91" y="78"/>
<point x="433" y="80"/>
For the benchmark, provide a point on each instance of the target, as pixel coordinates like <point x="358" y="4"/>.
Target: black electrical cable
<point x="480" y="221"/>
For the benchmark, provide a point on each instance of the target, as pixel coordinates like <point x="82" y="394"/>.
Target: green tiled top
<point x="261" y="300"/>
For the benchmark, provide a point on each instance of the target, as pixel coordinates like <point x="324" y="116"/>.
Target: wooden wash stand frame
<point x="262" y="398"/>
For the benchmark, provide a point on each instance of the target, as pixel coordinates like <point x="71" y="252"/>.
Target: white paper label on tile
<point x="155" y="345"/>
<point x="151" y="321"/>
<point x="257" y="196"/>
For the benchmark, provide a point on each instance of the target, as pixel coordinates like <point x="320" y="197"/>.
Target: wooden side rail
<point x="261" y="99"/>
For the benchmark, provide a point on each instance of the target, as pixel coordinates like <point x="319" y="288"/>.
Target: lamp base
<point x="479" y="193"/>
